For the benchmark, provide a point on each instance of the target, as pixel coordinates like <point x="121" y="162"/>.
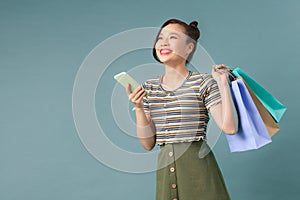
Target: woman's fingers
<point x="219" y="72"/>
<point x="130" y="92"/>
<point x="139" y="102"/>
<point x="137" y="96"/>
<point x="140" y="95"/>
<point x="220" y="66"/>
<point x="128" y="89"/>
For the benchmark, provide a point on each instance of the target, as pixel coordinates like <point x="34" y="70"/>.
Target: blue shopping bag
<point x="252" y="133"/>
<point x="274" y="107"/>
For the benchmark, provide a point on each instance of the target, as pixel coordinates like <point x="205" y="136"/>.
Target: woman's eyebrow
<point x="174" y="33"/>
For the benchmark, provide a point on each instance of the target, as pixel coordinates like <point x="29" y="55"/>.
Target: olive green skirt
<point x="183" y="175"/>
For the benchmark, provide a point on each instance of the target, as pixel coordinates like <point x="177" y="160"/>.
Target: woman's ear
<point x="190" y="48"/>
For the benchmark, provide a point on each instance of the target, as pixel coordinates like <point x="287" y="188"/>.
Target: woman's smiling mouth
<point x="165" y="51"/>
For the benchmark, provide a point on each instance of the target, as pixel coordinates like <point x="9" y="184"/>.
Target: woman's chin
<point x="164" y="59"/>
<point x="170" y="61"/>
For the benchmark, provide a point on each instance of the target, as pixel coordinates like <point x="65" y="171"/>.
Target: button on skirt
<point x="184" y="175"/>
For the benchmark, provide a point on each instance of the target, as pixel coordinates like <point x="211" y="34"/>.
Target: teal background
<point x="42" y="45"/>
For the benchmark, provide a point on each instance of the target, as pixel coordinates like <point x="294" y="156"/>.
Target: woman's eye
<point x="173" y="37"/>
<point x="159" y="38"/>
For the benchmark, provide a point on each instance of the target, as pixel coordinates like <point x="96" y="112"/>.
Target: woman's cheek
<point x="157" y="45"/>
<point x="178" y="50"/>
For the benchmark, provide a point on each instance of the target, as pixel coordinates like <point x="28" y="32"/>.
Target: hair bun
<point x="194" y="24"/>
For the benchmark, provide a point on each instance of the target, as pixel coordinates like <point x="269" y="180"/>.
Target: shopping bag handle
<point x="227" y="71"/>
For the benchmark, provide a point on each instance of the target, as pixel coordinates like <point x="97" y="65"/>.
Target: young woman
<point x="174" y="115"/>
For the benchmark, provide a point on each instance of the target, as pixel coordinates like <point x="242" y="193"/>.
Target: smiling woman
<point x="181" y="31"/>
<point x="174" y="115"/>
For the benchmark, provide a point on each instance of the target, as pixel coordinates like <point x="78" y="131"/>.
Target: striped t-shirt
<point x="181" y="115"/>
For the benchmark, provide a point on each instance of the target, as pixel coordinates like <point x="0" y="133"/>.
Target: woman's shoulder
<point x="151" y="83"/>
<point x="202" y="76"/>
<point x="202" y="79"/>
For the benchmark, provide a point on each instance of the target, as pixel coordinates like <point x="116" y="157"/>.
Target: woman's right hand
<point x="136" y="97"/>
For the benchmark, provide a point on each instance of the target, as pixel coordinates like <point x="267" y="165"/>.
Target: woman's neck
<point x="174" y="76"/>
<point x="176" y="71"/>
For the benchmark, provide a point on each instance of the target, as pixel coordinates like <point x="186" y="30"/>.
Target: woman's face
<point x="172" y="46"/>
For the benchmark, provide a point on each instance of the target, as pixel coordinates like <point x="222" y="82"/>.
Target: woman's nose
<point x="165" y="43"/>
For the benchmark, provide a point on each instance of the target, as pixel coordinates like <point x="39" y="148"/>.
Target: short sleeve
<point x="145" y="100"/>
<point x="210" y="91"/>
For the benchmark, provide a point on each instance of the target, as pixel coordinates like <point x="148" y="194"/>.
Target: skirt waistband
<point x="195" y="142"/>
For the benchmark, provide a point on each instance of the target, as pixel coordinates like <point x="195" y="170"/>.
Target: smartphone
<point x="123" y="78"/>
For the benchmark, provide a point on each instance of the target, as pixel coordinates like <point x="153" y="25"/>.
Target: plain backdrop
<point x="43" y="44"/>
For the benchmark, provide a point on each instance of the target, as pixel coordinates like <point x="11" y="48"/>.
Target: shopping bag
<point x="274" y="107"/>
<point x="252" y="133"/>
<point x="270" y="123"/>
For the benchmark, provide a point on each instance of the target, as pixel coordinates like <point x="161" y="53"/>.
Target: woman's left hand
<point x="219" y="76"/>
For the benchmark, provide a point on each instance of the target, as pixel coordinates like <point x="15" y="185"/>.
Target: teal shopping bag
<point x="275" y="108"/>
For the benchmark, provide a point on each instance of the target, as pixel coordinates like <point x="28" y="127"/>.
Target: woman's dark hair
<point x="191" y="31"/>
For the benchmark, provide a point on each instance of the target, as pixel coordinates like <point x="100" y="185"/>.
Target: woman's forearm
<point x="145" y="129"/>
<point x="228" y="114"/>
